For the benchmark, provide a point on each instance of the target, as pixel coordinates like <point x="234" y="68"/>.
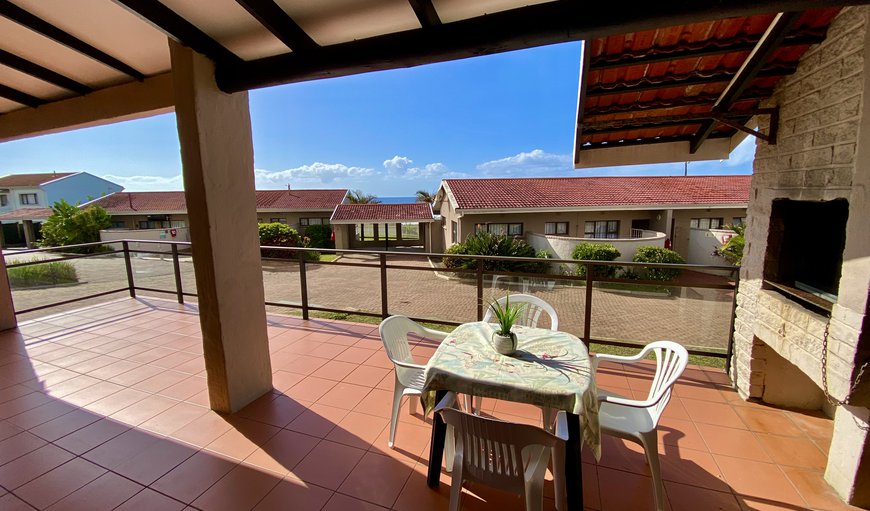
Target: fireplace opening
<point x="805" y="251"/>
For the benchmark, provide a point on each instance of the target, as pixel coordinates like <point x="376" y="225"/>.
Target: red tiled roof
<point x="27" y="214"/>
<point x="598" y="191"/>
<point x="413" y="212"/>
<point x="132" y="202"/>
<point x="31" y="179"/>
<point x="299" y="199"/>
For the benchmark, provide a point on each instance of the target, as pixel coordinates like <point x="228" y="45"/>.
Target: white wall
<point x="702" y="244"/>
<point x="561" y="247"/>
<point x="181" y="234"/>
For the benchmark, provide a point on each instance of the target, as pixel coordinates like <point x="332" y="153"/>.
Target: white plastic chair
<point x="530" y="314"/>
<point x="637" y="420"/>
<point x="409" y="375"/>
<point x="510" y="457"/>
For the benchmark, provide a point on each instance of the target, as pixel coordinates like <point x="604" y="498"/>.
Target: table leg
<point x="436" y="445"/>
<point x="573" y="464"/>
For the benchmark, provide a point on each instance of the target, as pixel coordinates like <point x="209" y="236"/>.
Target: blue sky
<point x="389" y="133"/>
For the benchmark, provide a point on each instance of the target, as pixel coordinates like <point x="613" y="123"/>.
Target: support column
<point x="217" y="154"/>
<point x="29" y="234"/>
<point x="7" y="309"/>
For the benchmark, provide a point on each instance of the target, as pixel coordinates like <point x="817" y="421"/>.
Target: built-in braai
<point x="805" y="250"/>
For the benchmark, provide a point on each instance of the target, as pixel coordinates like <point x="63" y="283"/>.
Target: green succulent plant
<point x="506" y="314"/>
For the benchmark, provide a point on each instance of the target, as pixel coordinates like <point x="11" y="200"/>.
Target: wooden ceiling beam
<point x="751" y="68"/>
<point x="552" y="22"/>
<point x="44" y="74"/>
<point x="282" y="26"/>
<point x="20" y="97"/>
<point x="24" y="18"/>
<point x="179" y="29"/>
<point x="426" y="13"/>
<point x="709" y="48"/>
<point x="661" y="104"/>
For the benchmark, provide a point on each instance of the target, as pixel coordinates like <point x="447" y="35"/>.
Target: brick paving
<point x="692" y="316"/>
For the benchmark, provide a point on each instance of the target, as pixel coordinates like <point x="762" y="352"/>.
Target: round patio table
<point x="549" y="369"/>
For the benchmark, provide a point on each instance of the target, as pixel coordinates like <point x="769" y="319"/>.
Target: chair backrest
<point x="394" y="334"/>
<point x="530" y="314"/>
<point x="671" y="360"/>
<point x="497" y="453"/>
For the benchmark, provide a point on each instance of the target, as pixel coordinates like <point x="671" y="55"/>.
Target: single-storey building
<point x="384" y="226"/>
<point x="615" y="208"/>
<point x="165" y="210"/>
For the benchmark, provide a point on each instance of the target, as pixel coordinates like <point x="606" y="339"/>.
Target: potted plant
<point x="504" y="340"/>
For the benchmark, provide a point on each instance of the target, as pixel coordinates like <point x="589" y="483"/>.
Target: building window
<point x="4" y="200"/>
<point x="305" y="222"/>
<point x="454" y="232"/>
<point x="411" y="231"/>
<point x="119" y="224"/>
<point x="602" y="229"/>
<point x="153" y="224"/>
<point x="278" y="220"/>
<point x="705" y="223"/>
<point x="555" y="227"/>
<point x="505" y="229"/>
<point x="738" y="220"/>
<point x="28" y="198"/>
<point x="479" y="228"/>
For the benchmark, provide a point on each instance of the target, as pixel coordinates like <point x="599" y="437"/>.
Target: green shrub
<point x="320" y="236"/>
<point x="277" y="234"/>
<point x="587" y="251"/>
<point x="484" y="243"/>
<point x="69" y="225"/>
<point x="732" y="250"/>
<point x="651" y="254"/>
<point x="46" y="274"/>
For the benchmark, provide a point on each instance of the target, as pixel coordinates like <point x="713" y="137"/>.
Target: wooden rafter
<point x="644" y="141"/>
<point x="20" y="97"/>
<point x="535" y="25"/>
<point x="426" y="13"/>
<point x="751" y="68"/>
<point x="681" y="101"/>
<point x="273" y="17"/>
<point x="734" y="119"/>
<point x="18" y="15"/>
<point x="180" y="29"/>
<point x="45" y="74"/>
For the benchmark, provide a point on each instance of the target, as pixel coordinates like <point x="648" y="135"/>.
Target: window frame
<point x="699" y="223"/>
<point x="609" y="233"/>
<point x="4" y="200"/>
<point x="26" y="202"/>
<point x="556" y="228"/>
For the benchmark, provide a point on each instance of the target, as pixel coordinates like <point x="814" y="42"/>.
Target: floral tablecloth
<point x="550" y="369"/>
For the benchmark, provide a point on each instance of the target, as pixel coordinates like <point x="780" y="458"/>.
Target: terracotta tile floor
<point x="106" y="408"/>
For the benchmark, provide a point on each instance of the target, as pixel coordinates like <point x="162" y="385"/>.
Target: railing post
<point x="587" y="315"/>
<point x="130" y="284"/>
<point x="729" y="350"/>
<point x="177" y="268"/>
<point x="384" y="303"/>
<point x="480" y="289"/>
<point x="303" y="282"/>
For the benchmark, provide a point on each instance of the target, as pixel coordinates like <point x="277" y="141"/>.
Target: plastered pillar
<point x="29" y="235"/>
<point x="217" y="154"/>
<point x="7" y="310"/>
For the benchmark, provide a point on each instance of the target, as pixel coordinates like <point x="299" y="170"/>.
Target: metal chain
<point x="854" y="386"/>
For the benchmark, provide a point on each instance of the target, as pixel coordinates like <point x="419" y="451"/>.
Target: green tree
<point x="360" y="197"/>
<point x="732" y="250"/>
<point x="424" y="196"/>
<point x="71" y="225"/>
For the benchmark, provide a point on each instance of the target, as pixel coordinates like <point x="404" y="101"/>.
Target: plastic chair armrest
<point x="409" y="365"/>
<point x="616" y="400"/>
<point x="434" y="334"/>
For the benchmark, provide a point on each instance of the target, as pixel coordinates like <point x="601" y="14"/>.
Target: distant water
<point x="396" y="200"/>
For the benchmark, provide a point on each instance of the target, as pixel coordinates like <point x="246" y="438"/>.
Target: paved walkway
<point x="695" y="317"/>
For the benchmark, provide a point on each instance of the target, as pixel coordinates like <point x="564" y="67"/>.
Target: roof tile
<point x="130" y="202"/>
<point x="598" y="191"/>
<point x="31" y="179"/>
<point x="411" y="212"/>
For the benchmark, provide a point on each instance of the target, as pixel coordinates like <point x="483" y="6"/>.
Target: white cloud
<point x="316" y="172"/>
<point x="401" y="167"/>
<point x="743" y="154"/>
<point x="147" y="183"/>
<point x="525" y="163"/>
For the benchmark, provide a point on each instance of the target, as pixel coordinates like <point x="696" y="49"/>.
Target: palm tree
<point x="360" y="197"/>
<point x="424" y="196"/>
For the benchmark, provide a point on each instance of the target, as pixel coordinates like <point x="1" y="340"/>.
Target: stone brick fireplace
<point x="806" y="267"/>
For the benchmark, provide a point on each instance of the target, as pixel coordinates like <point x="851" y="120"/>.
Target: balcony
<point x="106" y="407"/>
